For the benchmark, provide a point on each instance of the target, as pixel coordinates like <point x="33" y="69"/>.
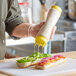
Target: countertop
<point x="67" y="54"/>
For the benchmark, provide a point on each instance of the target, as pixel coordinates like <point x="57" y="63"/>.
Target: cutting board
<point x="11" y="67"/>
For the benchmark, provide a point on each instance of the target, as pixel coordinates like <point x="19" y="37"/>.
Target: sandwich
<point x="31" y="60"/>
<point x="48" y="62"/>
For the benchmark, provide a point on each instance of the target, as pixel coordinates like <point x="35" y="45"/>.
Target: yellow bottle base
<point x="41" y="41"/>
<point x="57" y="7"/>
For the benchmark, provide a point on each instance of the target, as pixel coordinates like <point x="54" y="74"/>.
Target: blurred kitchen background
<point x="34" y="12"/>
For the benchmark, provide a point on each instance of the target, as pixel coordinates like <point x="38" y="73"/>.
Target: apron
<point x="3" y="14"/>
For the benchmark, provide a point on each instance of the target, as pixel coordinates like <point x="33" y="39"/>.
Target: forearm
<point x="21" y="30"/>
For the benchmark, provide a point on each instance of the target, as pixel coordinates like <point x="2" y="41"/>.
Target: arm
<point x="15" y="25"/>
<point x="21" y="30"/>
<point x="13" y="17"/>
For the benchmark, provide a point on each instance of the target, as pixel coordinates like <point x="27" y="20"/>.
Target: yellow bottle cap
<point x="41" y="41"/>
<point x="57" y="7"/>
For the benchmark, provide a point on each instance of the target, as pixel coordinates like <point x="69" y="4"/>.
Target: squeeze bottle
<point x="44" y="34"/>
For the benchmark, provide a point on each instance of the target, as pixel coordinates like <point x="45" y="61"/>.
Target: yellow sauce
<point x="38" y="46"/>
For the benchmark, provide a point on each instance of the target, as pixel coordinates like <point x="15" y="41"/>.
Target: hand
<point x="33" y="30"/>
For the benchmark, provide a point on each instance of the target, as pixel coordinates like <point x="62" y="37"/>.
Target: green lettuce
<point x="46" y="55"/>
<point x="33" y="57"/>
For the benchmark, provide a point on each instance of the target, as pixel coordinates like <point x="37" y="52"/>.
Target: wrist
<point x="21" y="30"/>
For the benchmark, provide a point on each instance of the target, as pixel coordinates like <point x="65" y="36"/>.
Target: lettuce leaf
<point x="22" y="60"/>
<point x="33" y="57"/>
<point x="46" y="55"/>
<point x="37" y="54"/>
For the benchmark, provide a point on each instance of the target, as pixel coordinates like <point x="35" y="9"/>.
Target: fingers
<point x="34" y="31"/>
<point x="53" y="31"/>
<point x="34" y="34"/>
<point x="37" y="27"/>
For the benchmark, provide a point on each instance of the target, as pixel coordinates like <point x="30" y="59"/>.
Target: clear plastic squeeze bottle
<point x="44" y="34"/>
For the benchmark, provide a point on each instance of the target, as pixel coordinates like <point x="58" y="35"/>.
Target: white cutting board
<point x="10" y="67"/>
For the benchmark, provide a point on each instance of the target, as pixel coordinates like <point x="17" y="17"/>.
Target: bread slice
<point x="24" y="65"/>
<point x="50" y="65"/>
<point x="27" y="64"/>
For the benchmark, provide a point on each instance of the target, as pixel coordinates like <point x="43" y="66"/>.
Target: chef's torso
<point x="4" y="7"/>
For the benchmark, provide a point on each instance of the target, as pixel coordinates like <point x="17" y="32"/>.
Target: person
<point x="12" y="22"/>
